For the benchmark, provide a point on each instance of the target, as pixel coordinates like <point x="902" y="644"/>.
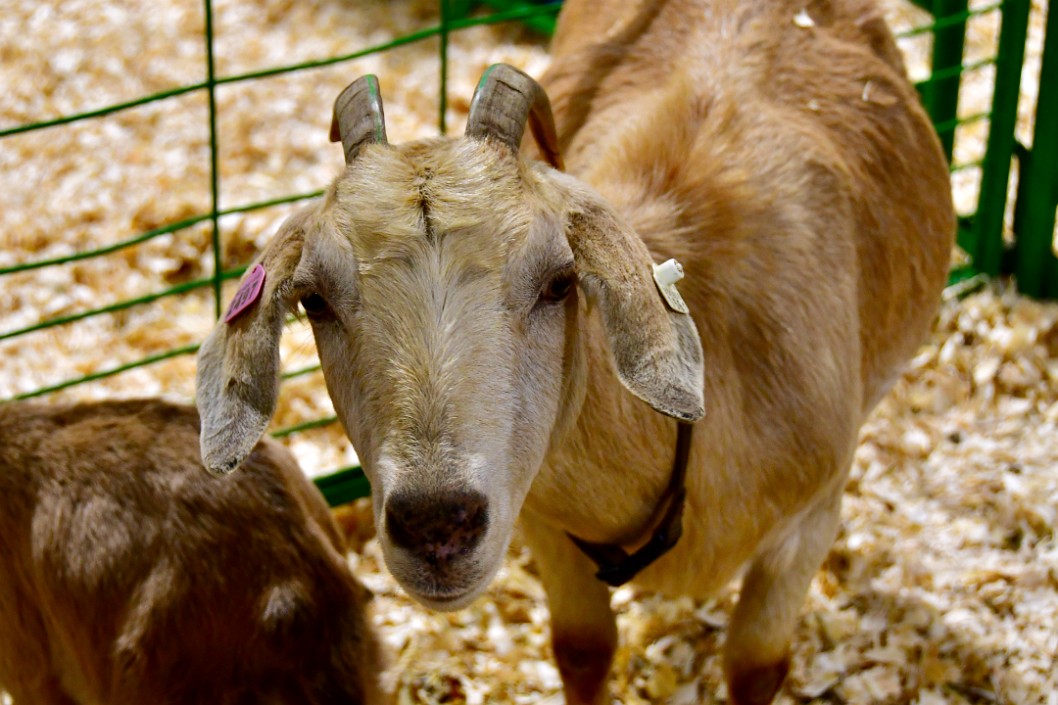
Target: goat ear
<point x="656" y="350"/>
<point x="238" y="364"/>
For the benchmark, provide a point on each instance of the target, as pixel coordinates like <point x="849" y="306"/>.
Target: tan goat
<point x="488" y="325"/>
<point x="130" y="576"/>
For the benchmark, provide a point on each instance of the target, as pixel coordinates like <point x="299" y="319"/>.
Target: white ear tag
<point x="666" y="275"/>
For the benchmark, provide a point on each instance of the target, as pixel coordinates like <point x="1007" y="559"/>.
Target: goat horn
<point x="505" y="98"/>
<point x="358" y="117"/>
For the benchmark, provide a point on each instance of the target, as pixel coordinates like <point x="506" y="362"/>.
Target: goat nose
<point x="437" y="528"/>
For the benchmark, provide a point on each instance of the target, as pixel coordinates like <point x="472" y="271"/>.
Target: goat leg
<point x="583" y="628"/>
<point x="757" y="652"/>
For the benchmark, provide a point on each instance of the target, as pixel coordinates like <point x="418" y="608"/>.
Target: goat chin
<point x="447" y="588"/>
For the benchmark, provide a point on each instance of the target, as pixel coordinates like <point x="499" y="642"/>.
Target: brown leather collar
<point x="617" y="566"/>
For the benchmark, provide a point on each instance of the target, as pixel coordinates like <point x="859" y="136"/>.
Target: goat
<point x="488" y="325"/>
<point x="130" y="575"/>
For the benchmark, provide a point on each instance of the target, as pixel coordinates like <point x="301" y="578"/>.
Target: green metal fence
<point x="1035" y="264"/>
<point x="347" y="483"/>
<point x="981" y="232"/>
<point x="1029" y="254"/>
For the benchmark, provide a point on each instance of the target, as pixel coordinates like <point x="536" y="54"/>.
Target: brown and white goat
<point x="130" y="576"/>
<point x="488" y="325"/>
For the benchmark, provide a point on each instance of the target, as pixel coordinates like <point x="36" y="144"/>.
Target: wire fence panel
<point x="348" y="482"/>
<point x="203" y="227"/>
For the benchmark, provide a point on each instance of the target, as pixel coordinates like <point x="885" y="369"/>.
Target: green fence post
<point x="1036" y="267"/>
<point x="995" y="174"/>
<point x="941" y="97"/>
<point x="214" y="171"/>
<point x="344" y="486"/>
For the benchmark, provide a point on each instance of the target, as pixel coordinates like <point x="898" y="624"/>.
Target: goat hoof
<point x="757" y="685"/>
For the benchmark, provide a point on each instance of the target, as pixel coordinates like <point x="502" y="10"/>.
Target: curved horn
<point x="505" y="98"/>
<point x="358" y="117"/>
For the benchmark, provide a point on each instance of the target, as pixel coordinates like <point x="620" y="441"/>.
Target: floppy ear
<point x="238" y="364"/>
<point x="656" y="350"/>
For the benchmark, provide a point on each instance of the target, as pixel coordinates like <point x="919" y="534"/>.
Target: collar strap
<point x="617" y="566"/>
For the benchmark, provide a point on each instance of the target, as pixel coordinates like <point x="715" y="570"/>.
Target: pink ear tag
<point x="248" y="293"/>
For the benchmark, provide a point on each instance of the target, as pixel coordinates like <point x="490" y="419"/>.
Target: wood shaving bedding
<point x="943" y="584"/>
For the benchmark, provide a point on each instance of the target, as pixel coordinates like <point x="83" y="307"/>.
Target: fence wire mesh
<point x="943" y="36"/>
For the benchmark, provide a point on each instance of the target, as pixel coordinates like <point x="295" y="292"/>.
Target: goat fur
<point x="129" y="575"/>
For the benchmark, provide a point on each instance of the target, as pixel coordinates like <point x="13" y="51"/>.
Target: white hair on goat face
<point x="425" y="296"/>
<point x="440" y="278"/>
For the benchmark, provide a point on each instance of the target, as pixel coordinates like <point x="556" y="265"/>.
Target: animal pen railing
<point x="981" y="224"/>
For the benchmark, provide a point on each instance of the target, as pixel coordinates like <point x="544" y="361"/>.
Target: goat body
<point x="129" y="575"/>
<point x="789" y="167"/>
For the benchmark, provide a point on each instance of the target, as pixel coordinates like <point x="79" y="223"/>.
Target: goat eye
<point x="314" y="305"/>
<point x="558" y="288"/>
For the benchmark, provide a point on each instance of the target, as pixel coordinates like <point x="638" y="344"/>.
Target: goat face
<point x="445" y="282"/>
<point x="440" y="297"/>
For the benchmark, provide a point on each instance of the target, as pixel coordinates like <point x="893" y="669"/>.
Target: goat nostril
<point x="437" y="527"/>
<point x="400" y="526"/>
